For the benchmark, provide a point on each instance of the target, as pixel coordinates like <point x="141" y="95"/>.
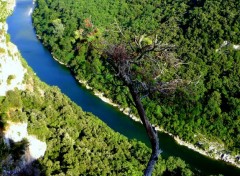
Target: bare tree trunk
<point x="122" y="65"/>
<point x="152" y="134"/>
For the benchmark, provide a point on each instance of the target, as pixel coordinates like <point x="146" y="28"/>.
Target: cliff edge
<point x="11" y="70"/>
<point x="12" y="76"/>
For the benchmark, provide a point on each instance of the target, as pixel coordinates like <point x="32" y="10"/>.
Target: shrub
<point x="2" y="50"/>
<point x="10" y="78"/>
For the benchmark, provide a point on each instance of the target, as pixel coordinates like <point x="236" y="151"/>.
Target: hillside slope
<point x="11" y="70"/>
<point x="76" y="142"/>
<point x="205" y="36"/>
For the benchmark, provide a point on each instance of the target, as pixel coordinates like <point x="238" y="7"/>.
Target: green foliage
<point x="10" y="78"/>
<point x="78" y="143"/>
<point x="2" y="50"/>
<point x="8" y="38"/>
<point x="3" y="12"/>
<point x="11" y="101"/>
<point x="209" y="106"/>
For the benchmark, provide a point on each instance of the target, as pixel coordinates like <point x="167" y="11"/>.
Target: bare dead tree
<point x="141" y="65"/>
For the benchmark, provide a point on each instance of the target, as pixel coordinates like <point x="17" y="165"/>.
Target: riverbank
<point x="214" y="152"/>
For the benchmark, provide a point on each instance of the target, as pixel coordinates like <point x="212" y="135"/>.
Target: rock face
<point x="12" y="74"/>
<point x="11" y="70"/>
<point x="17" y="132"/>
<point x="36" y="149"/>
<point x="6" y="7"/>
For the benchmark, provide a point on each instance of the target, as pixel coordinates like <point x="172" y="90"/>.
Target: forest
<point x="70" y="134"/>
<point x="205" y="36"/>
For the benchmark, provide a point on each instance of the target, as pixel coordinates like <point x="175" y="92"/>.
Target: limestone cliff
<point x="17" y="132"/>
<point x="11" y="70"/>
<point x="12" y="75"/>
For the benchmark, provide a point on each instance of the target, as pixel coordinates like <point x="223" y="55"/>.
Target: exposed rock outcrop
<point x="11" y="70"/>
<point x="12" y="74"/>
<point x="16" y="132"/>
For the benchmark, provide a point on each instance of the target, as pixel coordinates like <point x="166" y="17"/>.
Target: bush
<point x="10" y="78"/>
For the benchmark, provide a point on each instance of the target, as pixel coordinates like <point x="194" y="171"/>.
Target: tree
<point x="146" y="66"/>
<point x="58" y="27"/>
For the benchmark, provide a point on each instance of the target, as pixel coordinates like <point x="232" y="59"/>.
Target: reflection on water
<point x="30" y="11"/>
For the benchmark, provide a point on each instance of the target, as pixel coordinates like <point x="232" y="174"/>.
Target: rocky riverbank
<point x="215" y="150"/>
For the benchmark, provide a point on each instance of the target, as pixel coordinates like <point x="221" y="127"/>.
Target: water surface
<point x="23" y="35"/>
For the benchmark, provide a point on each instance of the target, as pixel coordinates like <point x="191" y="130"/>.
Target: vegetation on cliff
<point x="199" y="30"/>
<point x="78" y="143"/>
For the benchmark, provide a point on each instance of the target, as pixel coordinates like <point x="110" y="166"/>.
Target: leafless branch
<point x="141" y="67"/>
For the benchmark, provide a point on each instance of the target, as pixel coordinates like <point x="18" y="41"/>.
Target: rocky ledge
<point x="12" y="74"/>
<point x="11" y="70"/>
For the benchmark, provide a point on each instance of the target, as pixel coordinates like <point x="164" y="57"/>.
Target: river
<point x="48" y="70"/>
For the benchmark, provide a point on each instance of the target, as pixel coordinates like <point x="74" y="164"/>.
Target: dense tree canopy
<point x="198" y="29"/>
<point x="78" y="143"/>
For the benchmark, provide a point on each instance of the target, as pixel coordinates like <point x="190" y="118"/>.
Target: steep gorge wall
<point x="11" y="70"/>
<point x="12" y="75"/>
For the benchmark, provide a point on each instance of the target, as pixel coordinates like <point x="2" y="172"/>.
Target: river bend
<point x="23" y="35"/>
